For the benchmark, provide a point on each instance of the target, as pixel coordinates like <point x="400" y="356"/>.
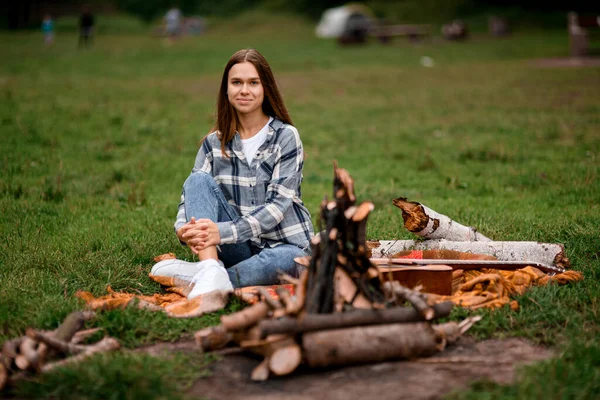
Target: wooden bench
<point x="578" y="27"/>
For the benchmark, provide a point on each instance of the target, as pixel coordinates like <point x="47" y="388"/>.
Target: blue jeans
<point x="246" y="263"/>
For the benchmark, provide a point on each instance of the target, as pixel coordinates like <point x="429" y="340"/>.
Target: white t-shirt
<point x="251" y="145"/>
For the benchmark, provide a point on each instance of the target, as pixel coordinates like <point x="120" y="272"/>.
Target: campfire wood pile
<point x="42" y="351"/>
<point x="343" y="310"/>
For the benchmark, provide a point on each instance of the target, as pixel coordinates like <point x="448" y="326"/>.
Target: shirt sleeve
<point x="203" y="163"/>
<point x="281" y="190"/>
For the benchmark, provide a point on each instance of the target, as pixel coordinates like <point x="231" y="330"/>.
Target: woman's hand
<point x="199" y="234"/>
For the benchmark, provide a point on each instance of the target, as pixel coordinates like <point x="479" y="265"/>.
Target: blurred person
<point x="241" y="210"/>
<point x="173" y="22"/>
<point x="48" y="29"/>
<point x="86" y="27"/>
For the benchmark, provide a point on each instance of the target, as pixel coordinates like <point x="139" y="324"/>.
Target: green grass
<point x="97" y="143"/>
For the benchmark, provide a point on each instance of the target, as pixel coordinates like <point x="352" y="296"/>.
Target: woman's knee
<point x="199" y="180"/>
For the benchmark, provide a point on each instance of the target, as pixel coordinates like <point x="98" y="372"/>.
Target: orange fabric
<point x="494" y="288"/>
<point x="175" y="302"/>
<point x="471" y="289"/>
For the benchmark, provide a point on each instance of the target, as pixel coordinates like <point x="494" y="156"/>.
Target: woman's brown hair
<point x="273" y="106"/>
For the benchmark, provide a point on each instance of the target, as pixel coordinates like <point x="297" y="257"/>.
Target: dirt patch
<point x="567" y="62"/>
<point x="431" y="378"/>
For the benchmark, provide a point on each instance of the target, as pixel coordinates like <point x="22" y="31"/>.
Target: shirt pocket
<point x="264" y="175"/>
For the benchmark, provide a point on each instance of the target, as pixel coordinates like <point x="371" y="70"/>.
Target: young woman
<point x="241" y="210"/>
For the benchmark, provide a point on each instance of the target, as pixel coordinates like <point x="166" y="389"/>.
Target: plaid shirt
<point x="265" y="193"/>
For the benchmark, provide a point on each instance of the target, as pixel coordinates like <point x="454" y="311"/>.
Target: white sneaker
<point x="212" y="276"/>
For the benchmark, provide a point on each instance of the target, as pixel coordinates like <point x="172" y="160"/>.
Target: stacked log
<point x="343" y="311"/>
<point x="40" y="351"/>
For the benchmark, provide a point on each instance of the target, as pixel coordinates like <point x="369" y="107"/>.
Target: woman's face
<point x="244" y="89"/>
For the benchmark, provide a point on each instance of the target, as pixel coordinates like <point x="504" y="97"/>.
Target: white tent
<point x="336" y="21"/>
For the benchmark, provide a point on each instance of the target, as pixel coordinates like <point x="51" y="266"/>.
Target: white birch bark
<point x="423" y="221"/>
<point x="543" y="253"/>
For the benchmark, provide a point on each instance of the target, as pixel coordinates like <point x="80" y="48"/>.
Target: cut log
<point x="317" y="322"/>
<point x="213" y="338"/>
<point x="544" y="253"/>
<point x="28" y="357"/>
<point x="371" y="344"/>
<point x="245" y="318"/>
<point x="261" y="371"/>
<point x="10" y="348"/>
<point x="285" y="359"/>
<point x="423" y="221"/>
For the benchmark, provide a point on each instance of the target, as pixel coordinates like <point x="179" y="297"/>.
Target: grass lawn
<point x="96" y="144"/>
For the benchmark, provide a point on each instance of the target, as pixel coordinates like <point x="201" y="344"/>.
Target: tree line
<point x="28" y="13"/>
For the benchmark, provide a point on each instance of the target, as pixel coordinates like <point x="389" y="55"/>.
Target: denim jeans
<point x="246" y="263"/>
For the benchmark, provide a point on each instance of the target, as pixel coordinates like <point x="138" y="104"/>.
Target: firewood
<point x="28" y="356"/>
<point x="246" y="317"/>
<point x="370" y="344"/>
<point x="54" y="343"/>
<point x="320" y="322"/>
<point x="273" y="304"/>
<point x="10" y="347"/>
<point x="425" y="222"/>
<point x="213" y="338"/>
<point x="266" y="345"/>
<point x="285" y="359"/>
<point x="281" y="353"/>
<point x="82" y="336"/>
<point x="343" y="186"/>
<point x="261" y="371"/>
<point x="3" y="377"/>
<point x="348" y="291"/>
<point x="284" y="296"/>
<point x="363" y="211"/>
<point x="65" y="332"/>
<point x="453" y="330"/>
<point x="104" y="345"/>
<point x="418" y="300"/>
<point x="543" y="253"/>
<point x="296" y="303"/>
<point x="289" y="303"/>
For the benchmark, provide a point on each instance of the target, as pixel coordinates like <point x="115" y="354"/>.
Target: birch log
<point x="543" y="253"/>
<point x="423" y="221"/>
